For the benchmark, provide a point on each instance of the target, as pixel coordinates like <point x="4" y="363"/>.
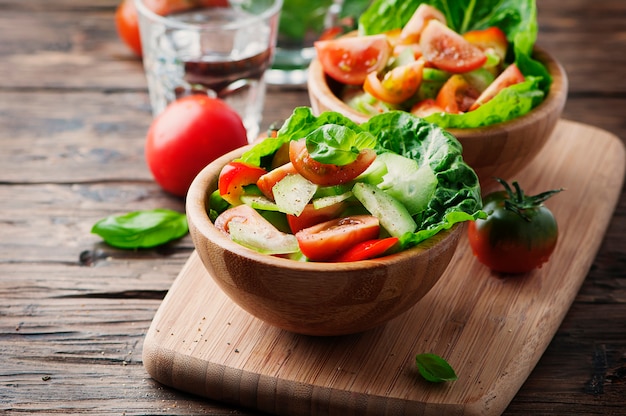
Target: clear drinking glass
<point x="302" y="22"/>
<point x="223" y="51"/>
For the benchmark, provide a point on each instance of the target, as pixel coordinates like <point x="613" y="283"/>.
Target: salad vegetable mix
<point x="459" y="64"/>
<point x="328" y="189"/>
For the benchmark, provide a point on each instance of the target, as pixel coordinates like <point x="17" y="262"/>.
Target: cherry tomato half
<point x="447" y="50"/>
<point x="327" y="240"/>
<point x="349" y="60"/>
<point x="510" y="76"/>
<point x="325" y="174"/>
<point x="368" y="249"/>
<point x="267" y="181"/>
<point x="189" y="134"/>
<point x="311" y="216"/>
<point x="456" y="95"/>
<point x="234" y="176"/>
<point x="490" y="39"/>
<point x="426" y="107"/>
<point x="397" y="85"/>
<point x="412" y="30"/>
<point x="514" y="240"/>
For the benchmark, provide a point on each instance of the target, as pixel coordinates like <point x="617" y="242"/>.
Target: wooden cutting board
<point x="492" y="329"/>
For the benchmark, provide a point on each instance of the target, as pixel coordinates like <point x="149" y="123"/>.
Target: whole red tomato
<point x="189" y="134"/>
<point x="519" y="233"/>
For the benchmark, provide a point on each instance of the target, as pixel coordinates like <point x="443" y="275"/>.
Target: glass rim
<point x="266" y="14"/>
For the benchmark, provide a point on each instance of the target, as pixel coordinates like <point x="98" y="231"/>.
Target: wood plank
<point x="491" y="329"/>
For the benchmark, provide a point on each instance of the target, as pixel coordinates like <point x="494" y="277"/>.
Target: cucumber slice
<point x="405" y="180"/>
<point x="327" y="201"/>
<point x="259" y="202"/>
<point x="374" y="172"/>
<point x="293" y="193"/>
<point x="332" y="190"/>
<point x="262" y="240"/>
<point x="393" y="216"/>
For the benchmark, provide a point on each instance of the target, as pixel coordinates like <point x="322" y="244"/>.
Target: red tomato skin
<point x="447" y="50"/>
<point x="311" y="216"/>
<point x="456" y="95"/>
<point x="368" y="250"/>
<point x="244" y="214"/>
<point x="425" y="108"/>
<point x="491" y="38"/>
<point x="510" y="76"/>
<point x="234" y="176"/>
<point x="507" y="243"/>
<point x="327" y="240"/>
<point x="267" y="181"/>
<point x="412" y="30"/>
<point x="349" y="60"/>
<point x="127" y="24"/>
<point x="324" y="174"/>
<point x="189" y="134"/>
<point x="398" y="85"/>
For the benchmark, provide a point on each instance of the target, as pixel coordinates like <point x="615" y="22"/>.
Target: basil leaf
<point x="338" y="145"/>
<point x="141" y="229"/>
<point x="434" y="368"/>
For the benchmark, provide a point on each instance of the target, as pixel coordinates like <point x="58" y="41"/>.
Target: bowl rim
<point x="196" y="206"/>
<point x="319" y="88"/>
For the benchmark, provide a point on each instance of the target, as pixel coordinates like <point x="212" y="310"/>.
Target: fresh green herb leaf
<point x="434" y="368"/>
<point x="141" y="229"/>
<point x="336" y="144"/>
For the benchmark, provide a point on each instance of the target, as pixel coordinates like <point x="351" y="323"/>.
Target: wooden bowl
<point x="500" y="150"/>
<point x="313" y="298"/>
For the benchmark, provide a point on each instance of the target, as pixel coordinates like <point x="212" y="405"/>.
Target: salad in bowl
<point x="470" y="67"/>
<point x="328" y="189"/>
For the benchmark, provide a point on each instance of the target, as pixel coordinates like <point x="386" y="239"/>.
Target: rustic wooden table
<point x="73" y="116"/>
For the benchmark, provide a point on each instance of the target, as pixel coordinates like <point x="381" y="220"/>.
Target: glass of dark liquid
<point x="217" y="47"/>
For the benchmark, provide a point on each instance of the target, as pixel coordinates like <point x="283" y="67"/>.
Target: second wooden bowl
<point x="498" y="150"/>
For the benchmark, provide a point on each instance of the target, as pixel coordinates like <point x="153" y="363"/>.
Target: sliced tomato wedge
<point x="426" y="107"/>
<point x="311" y="216"/>
<point x="397" y="85"/>
<point x="327" y="240"/>
<point x="325" y="174"/>
<point x="510" y="76"/>
<point x="234" y="176"/>
<point x="448" y="50"/>
<point x="412" y="31"/>
<point x="368" y="250"/>
<point x="241" y="213"/>
<point x="332" y="32"/>
<point x="267" y="181"/>
<point x="248" y="228"/>
<point x="490" y="39"/>
<point x="349" y="60"/>
<point x="456" y="95"/>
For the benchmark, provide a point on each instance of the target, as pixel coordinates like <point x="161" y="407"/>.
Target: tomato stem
<point x="518" y="202"/>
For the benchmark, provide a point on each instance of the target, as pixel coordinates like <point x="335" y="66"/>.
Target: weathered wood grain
<point x="73" y="113"/>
